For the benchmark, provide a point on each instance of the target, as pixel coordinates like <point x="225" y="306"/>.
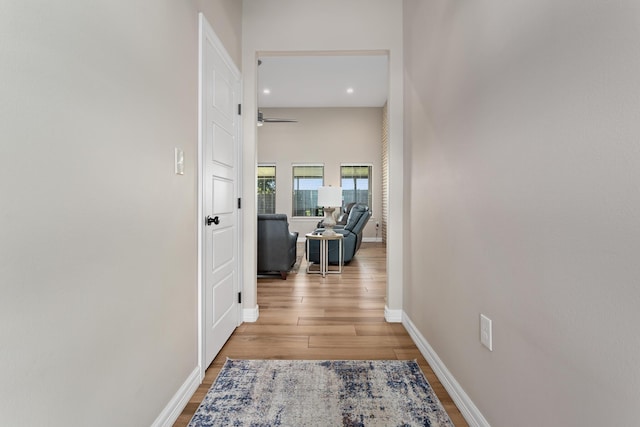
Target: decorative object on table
<point x="329" y="198"/>
<point x="341" y="219"/>
<point x="321" y="393"/>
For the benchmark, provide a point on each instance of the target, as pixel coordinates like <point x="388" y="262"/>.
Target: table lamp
<point x="329" y="198"/>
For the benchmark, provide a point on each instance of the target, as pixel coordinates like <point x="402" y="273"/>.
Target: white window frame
<point x="293" y="181"/>
<point x="371" y="182"/>
<point x="275" y="177"/>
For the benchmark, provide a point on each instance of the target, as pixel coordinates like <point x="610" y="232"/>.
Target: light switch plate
<point x="179" y="161"/>
<point x="486" y="334"/>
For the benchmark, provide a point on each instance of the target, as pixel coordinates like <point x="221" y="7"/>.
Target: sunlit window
<point x="266" y="189"/>
<point x="306" y="180"/>
<point x="356" y="184"/>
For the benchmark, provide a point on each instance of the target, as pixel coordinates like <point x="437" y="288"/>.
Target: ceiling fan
<point x="262" y="120"/>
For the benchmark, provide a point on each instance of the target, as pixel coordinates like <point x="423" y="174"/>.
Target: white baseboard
<point x="392" y="316"/>
<point x="469" y="411"/>
<point x="250" y="314"/>
<point x="174" y="408"/>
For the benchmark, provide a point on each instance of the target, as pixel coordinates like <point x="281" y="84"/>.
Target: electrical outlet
<point x="179" y="161"/>
<point x="486" y="334"/>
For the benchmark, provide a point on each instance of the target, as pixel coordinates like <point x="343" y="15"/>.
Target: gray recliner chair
<point x="276" y="245"/>
<point x="352" y="232"/>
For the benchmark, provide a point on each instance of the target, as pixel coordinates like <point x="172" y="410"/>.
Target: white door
<point x="220" y="95"/>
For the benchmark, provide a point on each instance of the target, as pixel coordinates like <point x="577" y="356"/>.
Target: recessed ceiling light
<point x="266" y="91"/>
<point x="350" y="90"/>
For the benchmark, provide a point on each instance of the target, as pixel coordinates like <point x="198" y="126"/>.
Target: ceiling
<point x="323" y="81"/>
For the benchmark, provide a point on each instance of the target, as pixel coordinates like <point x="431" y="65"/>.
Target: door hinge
<point x="239" y="203"/>
<point x="239" y="297"/>
<point x="239" y="109"/>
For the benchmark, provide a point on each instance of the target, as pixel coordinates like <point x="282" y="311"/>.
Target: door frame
<point x="206" y="31"/>
<point x="393" y="311"/>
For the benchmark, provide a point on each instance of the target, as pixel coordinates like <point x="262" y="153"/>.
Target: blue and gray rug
<point x="320" y="393"/>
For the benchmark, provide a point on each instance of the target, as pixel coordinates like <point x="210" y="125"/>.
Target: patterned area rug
<point x="296" y="266"/>
<point x="320" y="393"/>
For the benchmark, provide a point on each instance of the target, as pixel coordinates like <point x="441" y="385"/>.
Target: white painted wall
<point x="98" y="313"/>
<point x="333" y="25"/>
<point x="328" y="136"/>
<point x="523" y="130"/>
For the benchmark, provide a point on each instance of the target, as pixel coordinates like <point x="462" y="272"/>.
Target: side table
<point x="324" y="253"/>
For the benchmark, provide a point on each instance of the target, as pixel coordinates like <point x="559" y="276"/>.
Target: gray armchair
<point x="276" y="245"/>
<point x="352" y="232"/>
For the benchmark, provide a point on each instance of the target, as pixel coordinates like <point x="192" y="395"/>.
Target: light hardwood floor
<point x="309" y="317"/>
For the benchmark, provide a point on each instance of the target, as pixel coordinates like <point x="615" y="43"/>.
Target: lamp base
<point x="329" y="222"/>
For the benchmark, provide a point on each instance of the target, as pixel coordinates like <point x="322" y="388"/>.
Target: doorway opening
<point x="325" y="109"/>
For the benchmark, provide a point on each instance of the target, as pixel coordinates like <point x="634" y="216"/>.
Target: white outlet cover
<point x="486" y="333"/>
<point x="179" y="161"/>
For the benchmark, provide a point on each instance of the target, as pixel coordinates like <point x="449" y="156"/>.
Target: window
<point x="356" y="184"/>
<point x="266" y="189"/>
<point x="306" y="180"/>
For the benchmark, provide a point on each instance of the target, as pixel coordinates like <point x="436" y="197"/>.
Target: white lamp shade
<point x="330" y="196"/>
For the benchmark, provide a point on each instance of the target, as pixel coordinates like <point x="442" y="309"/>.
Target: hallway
<point x="338" y="317"/>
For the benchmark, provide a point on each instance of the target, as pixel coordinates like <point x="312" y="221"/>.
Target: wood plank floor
<point x="309" y="317"/>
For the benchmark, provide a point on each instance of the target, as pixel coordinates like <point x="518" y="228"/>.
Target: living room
<point x="325" y="112"/>
<point x="328" y="138"/>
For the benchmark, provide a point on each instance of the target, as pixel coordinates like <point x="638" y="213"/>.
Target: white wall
<point x="328" y="136"/>
<point x="98" y="313"/>
<point x="333" y="25"/>
<point x="523" y="129"/>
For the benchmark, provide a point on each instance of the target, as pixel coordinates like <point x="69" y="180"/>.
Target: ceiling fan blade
<point x="275" y="120"/>
<point x="262" y="119"/>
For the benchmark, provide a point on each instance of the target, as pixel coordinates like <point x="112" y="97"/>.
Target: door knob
<point x="214" y="220"/>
